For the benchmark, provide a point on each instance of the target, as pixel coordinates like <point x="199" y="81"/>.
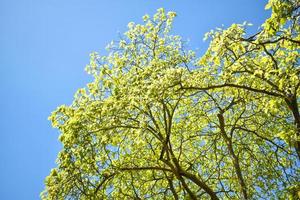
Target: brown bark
<point x="235" y="159"/>
<point x="293" y="106"/>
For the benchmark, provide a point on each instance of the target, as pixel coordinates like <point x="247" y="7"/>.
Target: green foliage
<point x="159" y="123"/>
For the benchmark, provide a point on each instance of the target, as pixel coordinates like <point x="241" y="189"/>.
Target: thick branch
<point x="234" y="86"/>
<point x="235" y="159"/>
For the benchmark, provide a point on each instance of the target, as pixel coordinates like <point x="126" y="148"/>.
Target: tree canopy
<point x="158" y="122"/>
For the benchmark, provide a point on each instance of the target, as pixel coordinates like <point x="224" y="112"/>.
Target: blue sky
<point x="44" y="47"/>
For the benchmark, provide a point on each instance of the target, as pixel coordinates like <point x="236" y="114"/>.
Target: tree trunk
<point x="293" y="106"/>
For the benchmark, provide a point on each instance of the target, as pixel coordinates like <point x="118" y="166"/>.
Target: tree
<point x="159" y="123"/>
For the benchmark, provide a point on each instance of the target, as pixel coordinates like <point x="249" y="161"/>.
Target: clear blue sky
<point x="44" y="47"/>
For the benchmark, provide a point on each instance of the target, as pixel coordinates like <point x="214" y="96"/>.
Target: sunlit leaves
<point x="158" y="122"/>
